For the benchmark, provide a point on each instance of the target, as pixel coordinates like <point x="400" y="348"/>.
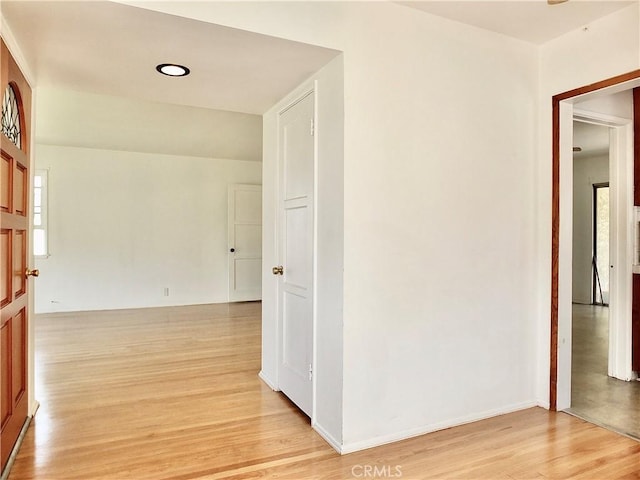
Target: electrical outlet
<point x="166" y="291"/>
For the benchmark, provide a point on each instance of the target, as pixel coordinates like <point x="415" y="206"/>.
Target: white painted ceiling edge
<point x="533" y="21"/>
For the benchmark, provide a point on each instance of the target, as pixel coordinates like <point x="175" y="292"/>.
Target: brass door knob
<point x="32" y="273"/>
<point x="278" y="270"/>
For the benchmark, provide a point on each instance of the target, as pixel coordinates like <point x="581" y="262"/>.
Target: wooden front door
<point x="14" y="250"/>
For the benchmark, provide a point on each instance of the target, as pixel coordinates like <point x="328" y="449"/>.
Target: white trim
<point x="269" y="383"/>
<point x="335" y="444"/>
<point x="621" y="245"/>
<point x="314" y="287"/>
<point x="434" y="427"/>
<point x="603" y="119"/>
<point x="621" y="236"/>
<point x="565" y="254"/>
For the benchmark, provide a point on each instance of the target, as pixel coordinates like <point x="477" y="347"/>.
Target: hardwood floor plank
<point x="173" y="394"/>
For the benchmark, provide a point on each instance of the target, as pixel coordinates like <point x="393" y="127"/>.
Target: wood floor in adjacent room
<point x="173" y="393"/>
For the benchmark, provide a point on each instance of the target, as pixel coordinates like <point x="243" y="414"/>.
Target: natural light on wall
<point x="40" y="213"/>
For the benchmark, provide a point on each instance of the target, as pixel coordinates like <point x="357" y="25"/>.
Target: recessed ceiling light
<point x="172" y="70"/>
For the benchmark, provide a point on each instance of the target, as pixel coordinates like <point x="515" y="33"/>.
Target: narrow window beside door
<point x="40" y="244"/>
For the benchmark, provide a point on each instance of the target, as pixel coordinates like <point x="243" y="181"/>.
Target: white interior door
<point x="245" y="243"/>
<point x="295" y="292"/>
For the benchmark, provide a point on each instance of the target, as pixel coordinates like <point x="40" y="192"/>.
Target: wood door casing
<point x="635" y="316"/>
<point x="14" y="256"/>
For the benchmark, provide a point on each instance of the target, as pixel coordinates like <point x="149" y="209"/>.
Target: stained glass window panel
<point x="11" y="116"/>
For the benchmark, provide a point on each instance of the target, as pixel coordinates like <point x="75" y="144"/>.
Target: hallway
<point x="595" y="396"/>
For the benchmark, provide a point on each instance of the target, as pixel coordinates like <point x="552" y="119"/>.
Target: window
<point x="40" y="247"/>
<point x="11" y="116"/>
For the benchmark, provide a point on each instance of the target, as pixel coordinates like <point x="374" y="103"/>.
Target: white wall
<point x="124" y="225"/>
<point x="606" y="48"/>
<point x="438" y="226"/>
<point x="586" y="172"/>
<point x="439" y="264"/>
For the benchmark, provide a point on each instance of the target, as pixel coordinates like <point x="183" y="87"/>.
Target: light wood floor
<point x="173" y="393"/>
<point x="594" y="395"/>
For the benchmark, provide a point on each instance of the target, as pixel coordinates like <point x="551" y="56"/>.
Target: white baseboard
<point x="269" y="383"/>
<point x="544" y="404"/>
<point x="335" y="444"/>
<point x="415" y="432"/>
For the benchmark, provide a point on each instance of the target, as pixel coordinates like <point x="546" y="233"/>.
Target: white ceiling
<point x="531" y="20"/>
<point x="113" y="49"/>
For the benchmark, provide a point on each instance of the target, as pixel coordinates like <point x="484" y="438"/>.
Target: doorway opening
<point x="617" y="348"/>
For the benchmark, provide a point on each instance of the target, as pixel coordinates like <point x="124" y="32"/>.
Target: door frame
<point x="561" y="236"/>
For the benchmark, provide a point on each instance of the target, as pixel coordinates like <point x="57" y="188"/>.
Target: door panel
<point x="19" y="355"/>
<point x="6" y="267"/>
<point x="14" y="253"/>
<point x="248" y="239"/>
<point x="5" y="362"/>
<point x="296" y="250"/>
<point x="245" y="243"/>
<point x="295" y="288"/>
<point x="295" y="354"/>
<point x="19" y="263"/>
<point x="6" y="182"/>
<point x="20" y="181"/>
